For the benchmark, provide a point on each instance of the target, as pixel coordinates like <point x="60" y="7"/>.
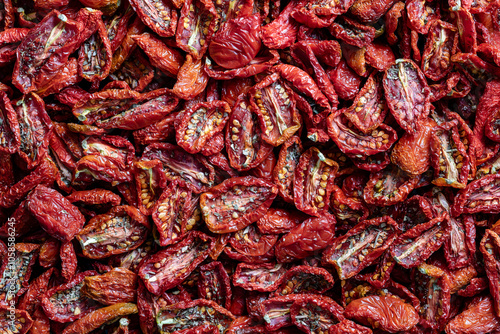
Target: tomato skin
<point x="387" y="313"/>
<point x="479" y="318"/>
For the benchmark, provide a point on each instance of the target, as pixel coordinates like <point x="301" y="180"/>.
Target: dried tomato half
<point x="171" y="266"/>
<point x="120" y="230"/>
<point x="236" y="203"/>
<point x="315" y="313"/>
<point x="200" y="123"/>
<point x="313" y="182"/>
<point x="479" y="196"/>
<point x="157" y="15"/>
<point x="10" y="133"/>
<point x="361" y="246"/>
<point x="407" y="94"/>
<point x="15" y="321"/>
<point x="264" y="277"/>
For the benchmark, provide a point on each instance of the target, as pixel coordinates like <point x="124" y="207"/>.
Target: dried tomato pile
<point x="249" y="166"/>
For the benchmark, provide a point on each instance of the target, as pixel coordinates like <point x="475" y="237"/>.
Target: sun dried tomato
<point x="478" y="317"/>
<point x="99" y="317"/>
<point x="171" y="266"/>
<point x="116" y="286"/>
<point x="415" y="245"/>
<point x="214" y="284"/>
<point x="276" y="311"/>
<point x="370" y="11"/>
<point x="315" y="314"/>
<point x="193" y="314"/>
<point x="14" y="320"/>
<point x="55" y="213"/>
<point x="9" y="41"/>
<point x="352" y="32"/>
<point x="345" y="81"/>
<point x="306" y="239"/>
<point x="236" y="203"/>
<point x="120" y="230"/>
<point x="389" y="186"/>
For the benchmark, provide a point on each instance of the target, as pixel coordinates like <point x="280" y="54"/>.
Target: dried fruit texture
<point x="216" y="166"/>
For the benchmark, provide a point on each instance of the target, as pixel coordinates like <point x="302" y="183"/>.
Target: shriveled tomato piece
<point x="412" y="152"/>
<point x="316" y="314"/>
<point x="120" y="230"/>
<point x="481" y="195"/>
<point x="436" y="62"/>
<point x="191" y="171"/>
<point x="193" y="315"/>
<point x="312" y="235"/>
<point x="361" y="246"/>
<point x="370" y="11"/>
<point x="305" y="279"/>
<point x="276" y="311"/>
<point x="157" y="15"/>
<point x="348" y="211"/>
<point x="196" y="26"/>
<point x="432" y="287"/>
<point x="352" y="141"/>
<point x="171" y="266"/>
<point x="389" y="186"/>
<point x="349" y="327"/>
<point x="250" y="241"/>
<point x="369" y="108"/>
<point x="420" y="15"/>
<point x="414" y="246"/>
<point x="407" y="94"/>
<point x="352" y="32"/>
<point x="9" y="126"/>
<point x="273" y="102"/>
<point x="214" y="284"/>
<point x="259" y="277"/>
<point x="15" y="321"/>
<point x="170" y="213"/>
<point x="200" y="123"/>
<point x="449" y="157"/>
<point x="65" y="303"/>
<point x="387" y="313"/>
<point x="244" y="143"/>
<point x="150" y="182"/>
<point x="313" y="182"/>
<point x="490" y="248"/>
<point x="284" y="172"/>
<point x="277" y="221"/>
<point x="236" y="203"/>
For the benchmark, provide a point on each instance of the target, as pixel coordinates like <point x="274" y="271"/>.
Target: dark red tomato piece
<point x="40" y="55"/>
<point x="352" y="141"/>
<point x="15" y="275"/>
<point x="104" y="104"/>
<point x="34" y="125"/>
<point x="135" y="73"/>
<point x="361" y="246"/>
<point x="492" y="127"/>
<point x="283" y="173"/>
<point x="153" y="107"/>
<point x="9" y="41"/>
<point x="214" y="284"/>
<point x="150" y="182"/>
<point x="56" y="215"/>
<point x="389" y="186"/>
<point x="232" y="254"/>
<point x="436" y="60"/>
<point x="276" y="311"/>
<point x="120" y="230"/>
<point x="379" y="56"/>
<point x="372" y="163"/>
<point x="414" y="246"/>
<point x="9" y="126"/>
<point x="250" y="241"/>
<point x="352" y="32"/>
<point x="315" y="314"/>
<point x="305" y="279"/>
<point x="196" y="27"/>
<point x="369" y="109"/>
<point x="313" y="182"/>
<point x="166" y="59"/>
<point x="412" y="153"/>
<point x="449" y="157"/>
<point x="65" y="303"/>
<point x="311" y="236"/>
<point x="490" y="248"/>
<point x="345" y="81"/>
<point x="171" y="266"/>
<point x="420" y="15"/>
<point x="432" y="286"/>
<point x="14" y="321"/>
<point x="160" y="131"/>
<point x="244" y="143"/>
<point x="281" y="32"/>
<point x="265" y="169"/>
<point x="191" y="171"/>
<point x="277" y="221"/>
<point x="478" y="317"/>
<point x="348" y="211"/>
<point x="320" y="14"/>
<point x="200" y="123"/>
<point x="370" y="11"/>
<point x="170" y="214"/>
<point x="157" y="15"/>
<point x="119" y="285"/>
<point x="116" y="148"/>
<point x="272" y="100"/>
<point x="237" y="42"/>
<point x="193" y="314"/>
<point x="132" y="259"/>
<point x="347" y="326"/>
<point x="479" y="196"/>
<point x="264" y="277"/>
<point x="236" y="203"/>
<point x="407" y="94"/>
